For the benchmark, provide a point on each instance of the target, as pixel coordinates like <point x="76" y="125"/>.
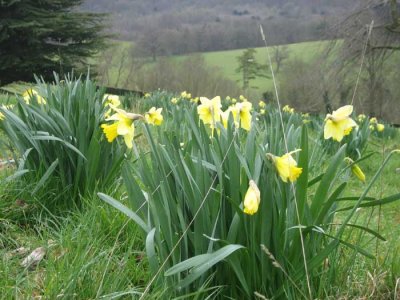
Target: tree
<point x="249" y="67"/>
<point x="370" y="34"/>
<point x="39" y="37"/>
<point x="280" y="53"/>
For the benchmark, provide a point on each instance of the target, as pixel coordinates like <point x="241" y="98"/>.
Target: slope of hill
<point x="170" y="27"/>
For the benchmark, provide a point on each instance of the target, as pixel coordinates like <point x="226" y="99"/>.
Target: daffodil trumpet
<point x="286" y="166"/>
<point x="123" y="125"/>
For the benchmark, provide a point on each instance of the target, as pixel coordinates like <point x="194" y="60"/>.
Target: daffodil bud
<point x="251" y="199"/>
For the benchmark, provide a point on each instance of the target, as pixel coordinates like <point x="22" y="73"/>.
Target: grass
<point x="91" y="253"/>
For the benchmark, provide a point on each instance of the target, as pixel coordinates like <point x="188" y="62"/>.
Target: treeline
<point x="157" y="41"/>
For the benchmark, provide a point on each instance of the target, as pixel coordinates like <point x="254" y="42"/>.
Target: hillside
<point x="179" y="27"/>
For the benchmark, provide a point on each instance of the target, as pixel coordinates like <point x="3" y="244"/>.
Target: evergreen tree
<point x="42" y="36"/>
<point x="249" y="67"/>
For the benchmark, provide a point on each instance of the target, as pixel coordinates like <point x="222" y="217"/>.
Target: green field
<point x="226" y="61"/>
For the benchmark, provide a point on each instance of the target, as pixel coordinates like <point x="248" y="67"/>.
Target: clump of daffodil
<point x="251" y="199"/>
<point x="288" y="109"/>
<point x="154" y="116"/>
<point x="361" y="118"/>
<point x="286" y="166"/>
<point x="356" y="169"/>
<point x="380" y="127"/>
<point x="32" y="93"/>
<point x="339" y="124"/>
<point x="174" y="100"/>
<point x="123" y="125"/>
<point x="261" y="104"/>
<point x="373" y="120"/>
<point x="242" y="114"/>
<point x="210" y="110"/>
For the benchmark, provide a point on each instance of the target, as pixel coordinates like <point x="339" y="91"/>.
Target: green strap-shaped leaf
<point x="327" y="179"/>
<point x="45" y="176"/>
<point x="122" y="208"/>
<point x="201" y="264"/>
<point x="151" y="251"/>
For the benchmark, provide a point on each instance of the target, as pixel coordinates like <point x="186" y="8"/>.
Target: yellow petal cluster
<point x="31" y="93"/>
<point x="111" y="100"/>
<point x="174" y="100"/>
<point x="261" y="104"/>
<point x="288" y="109"/>
<point x="373" y="120"/>
<point x="361" y="118"/>
<point x="187" y="95"/>
<point x="154" y="116"/>
<point x="210" y="110"/>
<point x="251" y="199"/>
<point x="339" y="124"/>
<point x="380" y="127"/>
<point x="123" y="125"/>
<point x="242" y="114"/>
<point x="287" y="166"/>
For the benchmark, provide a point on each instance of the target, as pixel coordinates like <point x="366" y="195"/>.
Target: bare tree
<point x="280" y="54"/>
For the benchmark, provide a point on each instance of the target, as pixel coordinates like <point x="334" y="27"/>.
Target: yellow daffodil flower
<point x="371" y="127"/>
<point x="209" y="110"/>
<point x="154" y="116"/>
<point x="30" y="93"/>
<point x="373" y="120"/>
<point x="251" y="199"/>
<point x="147" y="95"/>
<point x="261" y="104"/>
<point x="361" y="117"/>
<point x="242" y="98"/>
<point x="185" y="94"/>
<point x="123" y="125"/>
<point x="339" y="124"/>
<point x="195" y="100"/>
<point x="225" y="117"/>
<point x="241" y="114"/>
<point x="262" y="111"/>
<point x="356" y="170"/>
<point x="174" y="100"/>
<point x="1" y="116"/>
<point x="228" y="98"/>
<point x="233" y="100"/>
<point x="286" y="166"/>
<point x="111" y="100"/>
<point x="380" y="127"/>
<point x="288" y="109"/>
